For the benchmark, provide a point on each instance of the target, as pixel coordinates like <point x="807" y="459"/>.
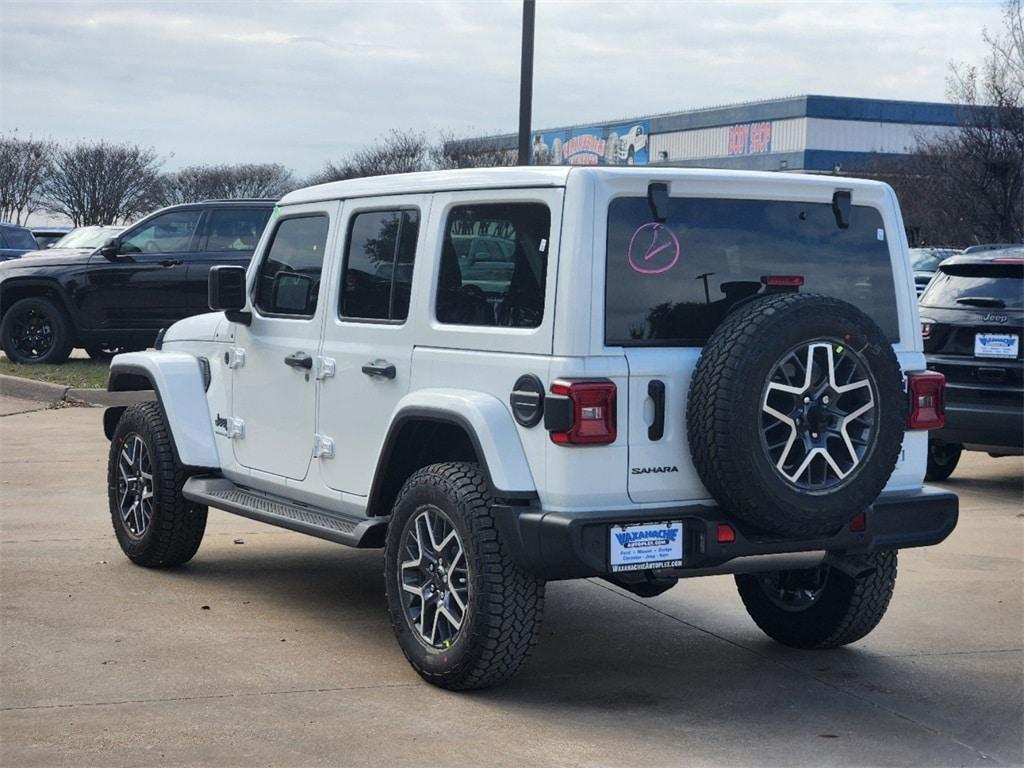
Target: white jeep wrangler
<point x="509" y="376"/>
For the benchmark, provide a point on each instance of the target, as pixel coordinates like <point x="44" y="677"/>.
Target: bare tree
<point x="204" y="182"/>
<point x="24" y="165"/>
<point x="397" y="152"/>
<point x="456" y="152"/>
<point x="975" y="174"/>
<point x="102" y="183"/>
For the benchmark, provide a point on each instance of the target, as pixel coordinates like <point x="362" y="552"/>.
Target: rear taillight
<point x="927" y="406"/>
<point x="581" y="412"/>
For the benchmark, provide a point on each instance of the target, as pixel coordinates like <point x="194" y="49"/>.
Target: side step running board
<point x="221" y="493"/>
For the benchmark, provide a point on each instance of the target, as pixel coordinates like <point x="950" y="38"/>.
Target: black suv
<point x="118" y="297"/>
<point x="972" y="319"/>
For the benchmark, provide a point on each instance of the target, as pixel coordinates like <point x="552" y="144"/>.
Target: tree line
<point x="101" y="182"/>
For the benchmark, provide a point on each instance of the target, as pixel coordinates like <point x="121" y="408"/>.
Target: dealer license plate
<point x="646" y="545"/>
<point x="1005" y="345"/>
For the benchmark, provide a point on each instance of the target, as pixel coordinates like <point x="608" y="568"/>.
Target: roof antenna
<point x="657" y="199"/>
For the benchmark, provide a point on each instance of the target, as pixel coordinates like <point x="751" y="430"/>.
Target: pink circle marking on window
<point x="656" y="254"/>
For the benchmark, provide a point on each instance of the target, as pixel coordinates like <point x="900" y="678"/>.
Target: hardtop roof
<point x="543" y="176"/>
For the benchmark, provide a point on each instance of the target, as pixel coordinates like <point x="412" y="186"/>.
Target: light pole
<point x="526" y="82"/>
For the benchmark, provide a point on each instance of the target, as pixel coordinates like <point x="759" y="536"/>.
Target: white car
<point x="509" y="376"/>
<point x="625" y="148"/>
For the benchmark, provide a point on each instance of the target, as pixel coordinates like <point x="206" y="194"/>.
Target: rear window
<point x="672" y="284"/>
<point x="997" y="286"/>
<point x="19" y="238"/>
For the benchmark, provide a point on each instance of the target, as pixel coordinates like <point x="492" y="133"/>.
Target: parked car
<point x="925" y="261"/>
<point x="78" y="241"/>
<point x="15" y="240"/>
<point x="972" y="319"/>
<point x="120" y="295"/>
<point x="655" y="387"/>
<point x="47" y="236"/>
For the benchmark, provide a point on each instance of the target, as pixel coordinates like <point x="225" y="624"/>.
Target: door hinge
<point x="235" y="357"/>
<point x="323" y="447"/>
<point x="235" y="429"/>
<point x="325" y="368"/>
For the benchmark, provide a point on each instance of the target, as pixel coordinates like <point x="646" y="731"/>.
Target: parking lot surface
<point x="274" y="649"/>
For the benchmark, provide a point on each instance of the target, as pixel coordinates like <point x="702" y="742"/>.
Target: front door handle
<point x="299" y="360"/>
<point x="170" y="262"/>
<point x="380" y="369"/>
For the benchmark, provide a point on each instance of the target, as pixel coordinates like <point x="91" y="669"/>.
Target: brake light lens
<point x="927" y="400"/>
<point x="725" y="534"/>
<point x="783" y="280"/>
<point x="591" y="412"/>
<point x="1008" y="260"/>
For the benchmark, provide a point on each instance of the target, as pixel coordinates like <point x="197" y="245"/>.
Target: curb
<point x="45" y="392"/>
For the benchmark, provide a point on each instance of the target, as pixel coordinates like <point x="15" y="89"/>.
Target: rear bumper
<point x="981" y="424"/>
<point x="568" y="545"/>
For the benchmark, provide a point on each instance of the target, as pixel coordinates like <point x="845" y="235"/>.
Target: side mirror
<point x="226" y="291"/>
<point x="111" y="248"/>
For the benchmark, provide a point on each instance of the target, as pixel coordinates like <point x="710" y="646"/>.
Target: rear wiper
<point x="981" y="301"/>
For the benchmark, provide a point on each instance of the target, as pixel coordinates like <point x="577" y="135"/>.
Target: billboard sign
<point x="750" y="138"/>
<point x="624" y="144"/>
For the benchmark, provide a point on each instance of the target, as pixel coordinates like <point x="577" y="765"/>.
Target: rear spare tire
<point x="796" y="413"/>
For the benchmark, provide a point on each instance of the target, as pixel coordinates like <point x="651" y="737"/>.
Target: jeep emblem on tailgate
<point x="990" y="318"/>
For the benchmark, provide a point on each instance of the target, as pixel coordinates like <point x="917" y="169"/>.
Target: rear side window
<point x="289" y="277"/>
<point x="997" y="286"/>
<point x="494" y="265"/>
<point x="673" y="284"/>
<point x="235" y="229"/>
<point x="378" y="265"/>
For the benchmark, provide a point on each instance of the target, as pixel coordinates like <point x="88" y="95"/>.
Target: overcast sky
<point x="300" y="83"/>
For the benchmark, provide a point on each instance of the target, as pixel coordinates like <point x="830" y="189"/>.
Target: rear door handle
<point x="380" y="369"/>
<point x="170" y="262"/>
<point x="299" y="360"/>
<point x="656" y="391"/>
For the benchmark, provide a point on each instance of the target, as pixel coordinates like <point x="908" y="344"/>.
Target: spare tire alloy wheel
<point x="796" y="414"/>
<point x="818" y="414"/>
<point x="434" y="576"/>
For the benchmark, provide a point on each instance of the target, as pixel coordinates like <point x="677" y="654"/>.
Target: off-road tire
<point x="177" y="525"/>
<point x="846" y="611"/>
<point x="61" y="325"/>
<point x="503" y="615"/>
<point x="942" y="460"/>
<point x="724" y="413"/>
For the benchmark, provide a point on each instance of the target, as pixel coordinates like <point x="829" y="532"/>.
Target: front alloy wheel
<point x="135" y="485"/>
<point x="434" y="576"/>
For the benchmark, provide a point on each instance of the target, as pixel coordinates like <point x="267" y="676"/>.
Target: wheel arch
<point x="15" y="289"/>
<point x="429" y="427"/>
<point x="179" y="384"/>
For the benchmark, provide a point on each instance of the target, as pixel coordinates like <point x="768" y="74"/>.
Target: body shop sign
<point x="750" y="139"/>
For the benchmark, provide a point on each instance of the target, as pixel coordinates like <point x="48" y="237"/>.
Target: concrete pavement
<point x="276" y="651"/>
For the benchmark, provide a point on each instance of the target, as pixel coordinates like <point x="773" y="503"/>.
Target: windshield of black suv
<point x="672" y="284"/>
<point x="87" y="237"/>
<point x="994" y="285"/>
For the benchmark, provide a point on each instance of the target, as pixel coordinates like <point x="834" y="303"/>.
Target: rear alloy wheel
<point x="36" y="330"/>
<point x="464" y="612"/>
<point x="942" y="460"/>
<point x="825" y="607"/>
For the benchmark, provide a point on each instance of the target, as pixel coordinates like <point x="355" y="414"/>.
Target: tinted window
<point x="977" y="285"/>
<point x="673" y="284"/>
<point x="235" y="229"/>
<point x="494" y="264"/>
<point x="169" y="233"/>
<point x="289" y="278"/>
<point x="19" y="238"/>
<point x="378" y="265"/>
